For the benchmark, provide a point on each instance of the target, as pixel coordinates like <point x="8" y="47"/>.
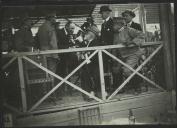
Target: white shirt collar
<point x="107" y="19"/>
<point x="130" y="23"/>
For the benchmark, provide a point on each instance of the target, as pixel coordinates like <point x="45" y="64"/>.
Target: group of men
<point x="116" y="30"/>
<point x="121" y="30"/>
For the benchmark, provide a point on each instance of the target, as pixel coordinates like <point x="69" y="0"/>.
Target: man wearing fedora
<point x="129" y="15"/>
<point x="106" y="39"/>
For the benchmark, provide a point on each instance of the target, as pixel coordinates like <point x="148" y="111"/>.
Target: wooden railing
<point x="99" y="49"/>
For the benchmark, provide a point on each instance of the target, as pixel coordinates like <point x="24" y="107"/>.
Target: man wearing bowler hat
<point x="129" y="15"/>
<point x="106" y="27"/>
<point x="106" y="39"/>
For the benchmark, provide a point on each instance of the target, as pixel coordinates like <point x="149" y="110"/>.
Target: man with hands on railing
<point x="130" y="55"/>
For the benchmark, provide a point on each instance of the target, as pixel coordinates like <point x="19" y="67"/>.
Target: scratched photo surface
<point x="75" y="62"/>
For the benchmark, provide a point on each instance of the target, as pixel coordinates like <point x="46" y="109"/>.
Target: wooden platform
<point x="146" y="106"/>
<point x="75" y="100"/>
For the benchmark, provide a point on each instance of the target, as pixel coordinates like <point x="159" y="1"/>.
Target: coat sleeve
<point x="138" y="37"/>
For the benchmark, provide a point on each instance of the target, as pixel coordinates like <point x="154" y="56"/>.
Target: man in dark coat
<point x="106" y="39"/>
<point x="65" y="41"/>
<point x="129" y="15"/>
<point x="68" y="61"/>
<point x="106" y="27"/>
<point x="23" y="38"/>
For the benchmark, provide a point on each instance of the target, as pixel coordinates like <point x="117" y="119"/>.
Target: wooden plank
<point x="139" y="68"/>
<point x="152" y="110"/>
<point x="48" y="119"/>
<point x="22" y="84"/>
<point x="111" y="110"/>
<point x="146" y="114"/>
<point x="165" y="28"/>
<point x="140" y="101"/>
<point x="76" y="49"/>
<point x="102" y="81"/>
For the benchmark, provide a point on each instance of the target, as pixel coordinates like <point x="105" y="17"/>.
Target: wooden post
<point x="172" y="31"/>
<point x="165" y="28"/>
<point x="142" y="17"/>
<point x="22" y="84"/>
<point x="102" y="81"/>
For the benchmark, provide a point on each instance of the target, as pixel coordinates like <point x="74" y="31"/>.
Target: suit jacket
<point x="107" y="32"/>
<point x="63" y="40"/>
<point x="68" y="60"/>
<point x="47" y="38"/>
<point x="23" y="40"/>
<point x="136" y="26"/>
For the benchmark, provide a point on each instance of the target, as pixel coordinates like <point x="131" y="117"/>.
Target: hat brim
<point x="105" y="11"/>
<point x="130" y="13"/>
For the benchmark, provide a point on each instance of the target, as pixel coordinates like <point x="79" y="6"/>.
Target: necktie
<point x="104" y="24"/>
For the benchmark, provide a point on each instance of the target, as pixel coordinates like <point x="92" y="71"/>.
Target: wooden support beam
<point x="165" y="28"/>
<point x="22" y="84"/>
<point x="139" y="68"/>
<point x="62" y="81"/>
<point x="142" y="17"/>
<point x="139" y="74"/>
<point x="8" y="63"/>
<point x="172" y="31"/>
<point x="102" y="81"/>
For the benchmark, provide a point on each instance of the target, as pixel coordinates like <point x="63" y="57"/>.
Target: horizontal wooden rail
<point x="74" y="50"/>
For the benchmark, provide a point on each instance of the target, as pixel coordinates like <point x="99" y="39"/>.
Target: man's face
<point x="70" y="28"/>
<point x="117" y="26"/>
<point x="53" y="20"/>
<point x="128" y="17"/>
<point x="105" y="14"/>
